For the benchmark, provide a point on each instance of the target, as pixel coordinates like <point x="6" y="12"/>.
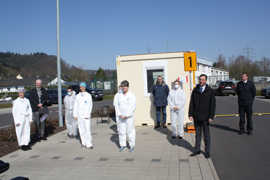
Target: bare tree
<point x="221" y="62"/>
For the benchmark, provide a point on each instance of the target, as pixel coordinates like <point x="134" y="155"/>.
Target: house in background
<point x="205" y="66"/>
<point x="258" y="79"/>
<point x="54" y="82"/>
<point x="10" y="89"/>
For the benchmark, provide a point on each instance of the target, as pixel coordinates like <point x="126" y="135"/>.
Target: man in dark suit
<point x="202" y="111"/>
<point x="39" y="102"/>
<point x="246" y="92"/>
<point x="160" y="92"/>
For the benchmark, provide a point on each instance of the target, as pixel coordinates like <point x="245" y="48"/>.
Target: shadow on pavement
<point x="179" y="142"/>
<point x="222" y="127"/>
<point x="114" y="137"/>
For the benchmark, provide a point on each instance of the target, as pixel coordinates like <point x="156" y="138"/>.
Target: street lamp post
<point x="60" y="117"/>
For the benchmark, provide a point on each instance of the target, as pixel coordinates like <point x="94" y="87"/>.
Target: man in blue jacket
<point x="160" y="92"/>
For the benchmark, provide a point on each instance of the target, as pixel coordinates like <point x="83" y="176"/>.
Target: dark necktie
<point x="201" y="89"/>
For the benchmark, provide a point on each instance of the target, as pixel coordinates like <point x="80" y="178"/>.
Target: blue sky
<point x="93" y="33"/>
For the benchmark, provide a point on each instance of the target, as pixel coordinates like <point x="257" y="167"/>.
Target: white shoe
<point x="132" y="149"/>
<point x="122" y="148"/>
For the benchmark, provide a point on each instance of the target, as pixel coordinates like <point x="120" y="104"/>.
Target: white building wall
<point x="206" y="67"/>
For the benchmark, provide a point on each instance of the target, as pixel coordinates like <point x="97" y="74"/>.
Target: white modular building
<point x="205" y="66"/>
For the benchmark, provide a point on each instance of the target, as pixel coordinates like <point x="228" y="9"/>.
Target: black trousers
<point x="202" y="127"/>
<point x="245" y="112"/>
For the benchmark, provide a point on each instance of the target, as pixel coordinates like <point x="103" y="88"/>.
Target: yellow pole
<point x="194" y="82"/>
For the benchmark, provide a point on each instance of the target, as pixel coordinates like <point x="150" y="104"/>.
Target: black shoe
<point x="173" y="137"/>
<point x="241" y="132"/>
<point x="157" y="126"/>
<point x="249" y="133"/>
<point x="207" y="155"/>
<point x="195" y="153"/>
<point x="180" y="137"/>
<point x="44" y="139"/>
<point x="38" y="139"/>
<point x="28" y="148"/>
<point x="164" y="126"/>
<point x="25" y="148"/>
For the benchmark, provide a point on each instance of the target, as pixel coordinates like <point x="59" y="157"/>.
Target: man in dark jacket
<point x="202" y="111"/>
<point x="160" y="92"/>
<point x="246" y="92"/>
<point x="39" y="101"/>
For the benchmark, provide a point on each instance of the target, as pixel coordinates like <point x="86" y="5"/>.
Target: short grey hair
<point x="39" y="80"/>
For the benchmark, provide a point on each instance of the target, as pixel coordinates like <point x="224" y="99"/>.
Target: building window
<point x="151" y="70"/>
<point x="152" y="75"/>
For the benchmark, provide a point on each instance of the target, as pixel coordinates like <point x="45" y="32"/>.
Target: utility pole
<point x="249" y="53"/>
<point x="60" y="117"/>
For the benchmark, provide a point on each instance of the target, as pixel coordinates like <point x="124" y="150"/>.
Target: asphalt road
<point x="241" y="157"/>
<point x="6" y="118"/>
<point x="235" y="157"/>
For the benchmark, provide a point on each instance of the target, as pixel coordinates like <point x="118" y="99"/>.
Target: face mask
<point x="69" y="93"/>
<point x="120" y="91"/>
<point x="176" y="86"/>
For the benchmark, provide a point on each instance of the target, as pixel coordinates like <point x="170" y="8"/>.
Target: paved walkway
<point x="156" y="157"/>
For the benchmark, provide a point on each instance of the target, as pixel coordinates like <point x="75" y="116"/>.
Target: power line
<point x="249" y="53"/>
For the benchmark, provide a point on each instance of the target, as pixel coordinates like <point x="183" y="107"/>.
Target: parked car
<point x="266" y="92"/>
<point x="53" y="95"/>
<point x="6" y="99"/>
<point x="97" y="94"/>
<point x="52" y="99"/>
<point x="226" y="88"/>
<point x="27" y="94"/>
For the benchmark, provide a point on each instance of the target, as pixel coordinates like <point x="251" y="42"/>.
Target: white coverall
<point x="115" y="102"/>
<point x="22" y="114"/>
<point x="125" y="106"/>
<point x="82" y="111"/>
<point x="71" y="123"/>
<point x="177" y="98"/>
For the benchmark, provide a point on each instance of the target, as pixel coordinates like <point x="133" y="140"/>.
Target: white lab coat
<point x="177" y="98"/>
<point x="125" y="106"/>
<point x="82" y="110"/>
<point x="22" y="114"/>
<point x="115" y="102"/>
<point x="71" y="123"/>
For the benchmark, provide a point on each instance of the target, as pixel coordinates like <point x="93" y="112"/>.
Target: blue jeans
<point x="158" y="113"/>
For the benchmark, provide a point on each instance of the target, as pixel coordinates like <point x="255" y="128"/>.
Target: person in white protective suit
<point x="115" y="102"/>
<point x="125" y="107"/>
<point x="176" y="101"/>
<point x="82" y="112"/>
<point x="22" y="114"/>
<point x="71" y="123"/>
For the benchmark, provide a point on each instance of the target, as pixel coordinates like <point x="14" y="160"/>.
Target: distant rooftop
<point x="205" y="61"/>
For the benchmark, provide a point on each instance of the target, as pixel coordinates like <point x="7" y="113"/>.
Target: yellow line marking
<point x="236" y="115"/>
<point x="226" y="115"/>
